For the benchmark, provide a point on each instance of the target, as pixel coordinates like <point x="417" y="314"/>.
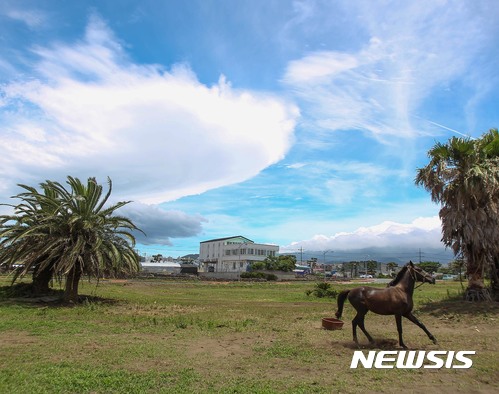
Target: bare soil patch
<point x="17" y="338"/>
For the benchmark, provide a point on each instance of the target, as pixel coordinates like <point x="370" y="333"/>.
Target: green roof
<point x="227" y="238"/>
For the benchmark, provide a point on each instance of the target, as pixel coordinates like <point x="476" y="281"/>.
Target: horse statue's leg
<point x="359" y="321"/>
<point x="398" y="319"/>
<point x="413" y="318"/>
<point x="354" y="329"/>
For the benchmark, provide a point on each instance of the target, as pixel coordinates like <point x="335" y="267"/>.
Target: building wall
<point x="233" y="254"/>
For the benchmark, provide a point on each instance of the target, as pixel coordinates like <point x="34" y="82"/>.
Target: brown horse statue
<point x="395" y="299"/>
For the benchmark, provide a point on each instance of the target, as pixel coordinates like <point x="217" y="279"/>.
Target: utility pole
<point x="324" y="258"/>
<point x="324" y="262"/>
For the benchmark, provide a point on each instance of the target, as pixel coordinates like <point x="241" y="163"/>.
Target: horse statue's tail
<point x="341" y="300"/>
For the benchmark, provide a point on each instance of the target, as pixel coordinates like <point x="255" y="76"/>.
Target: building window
<point x="227" y="252"/>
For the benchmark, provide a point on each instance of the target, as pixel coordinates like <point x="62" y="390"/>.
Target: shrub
<point x="321" y="290"/>
<point x="258" y="275"/>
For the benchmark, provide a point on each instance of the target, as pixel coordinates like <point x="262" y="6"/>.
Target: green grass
<point x="148" y="336"/>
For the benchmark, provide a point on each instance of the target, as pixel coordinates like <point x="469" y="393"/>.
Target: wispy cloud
<point x="405" y="57"/>
<point x="32" y="18"/>
<point x="339" y="183"/>
<point x="411" y="51"/>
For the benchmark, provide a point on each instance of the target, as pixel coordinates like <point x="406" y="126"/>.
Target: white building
<point x="233" y="254"/>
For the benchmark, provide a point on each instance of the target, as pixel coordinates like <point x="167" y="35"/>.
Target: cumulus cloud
<point x="423" y="231"/>
<point x="159" y="134"/>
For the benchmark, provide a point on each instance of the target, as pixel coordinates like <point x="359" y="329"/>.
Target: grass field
<point x="149" y="336"/>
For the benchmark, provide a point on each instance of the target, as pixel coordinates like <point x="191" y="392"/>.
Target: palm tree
<point x="75" y="236"/>
<point x="29" y="226"/>
<point x="463" y="176"/>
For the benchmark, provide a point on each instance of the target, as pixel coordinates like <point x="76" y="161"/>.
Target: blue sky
<point x="299" y="123"/>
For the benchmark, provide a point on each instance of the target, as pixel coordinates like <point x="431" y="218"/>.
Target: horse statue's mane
<point x="398" y="277"/>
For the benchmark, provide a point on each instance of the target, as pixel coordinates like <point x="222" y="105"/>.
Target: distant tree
<point x="284" y="263"/>
<point x="258" y="265"/>
<point x="391" y="267"/>
<point x="68" y="232"/>
<point x="457" y="267"/>
<point x="445" y="270"/>
<point x="372" y="267"/>
<point x="157" y="258"/>
<point x="344" y="269"/>
<point x="271" y="263"/>
<point x="429" y="266"/>
<point x="353" y="267"/>
<point x="463" y="176"/>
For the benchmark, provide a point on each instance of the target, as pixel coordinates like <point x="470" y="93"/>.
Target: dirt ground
<point x="473" y="327"/>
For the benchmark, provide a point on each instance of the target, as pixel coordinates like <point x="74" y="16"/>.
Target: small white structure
<point x="167" y="267"/>
<point x="233" y="254"/>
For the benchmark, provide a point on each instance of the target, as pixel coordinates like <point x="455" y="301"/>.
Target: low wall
<point x="219" y="275"/>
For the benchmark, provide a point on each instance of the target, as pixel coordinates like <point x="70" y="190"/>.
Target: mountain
<point x="192" y="256"/>
<point x="383" y="255"/>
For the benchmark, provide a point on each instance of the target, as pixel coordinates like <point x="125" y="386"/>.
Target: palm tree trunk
<point x="72" y="282"/>
<point x="494" y="276"/>
<point x="41" y="280"/>
<point x="476" y="290"/>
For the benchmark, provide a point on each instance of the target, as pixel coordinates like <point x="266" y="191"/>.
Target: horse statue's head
<point x="419" y="274"/>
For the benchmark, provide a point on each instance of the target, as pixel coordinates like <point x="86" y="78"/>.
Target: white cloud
<point x="32" y="18"/>
<point x="318" y="67"/>
<point x="377" y="88"/>
<point x="158" y="134"/>
<point x="421" y="232"/>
